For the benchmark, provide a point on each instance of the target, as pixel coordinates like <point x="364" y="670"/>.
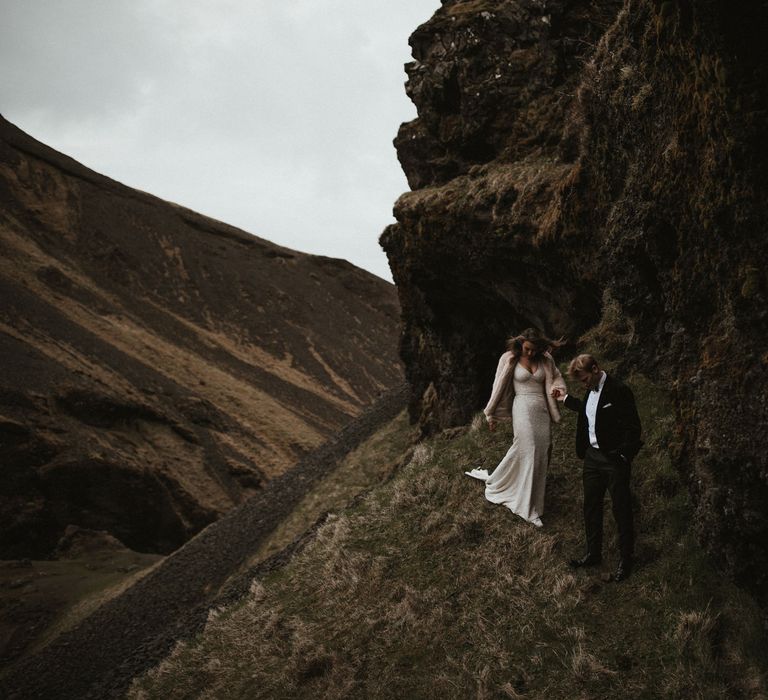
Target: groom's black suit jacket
<point x="617" y="423"/>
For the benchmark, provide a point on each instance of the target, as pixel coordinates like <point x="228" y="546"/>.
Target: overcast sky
<point x="273" y="116"/>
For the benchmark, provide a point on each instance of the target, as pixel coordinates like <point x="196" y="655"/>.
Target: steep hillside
<point x="423" y="589"/>
<point x="598" y="167"/>
<point x="83" y="628"/>
<point x="159" y="366"/>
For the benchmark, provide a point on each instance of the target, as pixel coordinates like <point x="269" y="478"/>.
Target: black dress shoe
<point x="586" y="560"/>
<point x="623" y="570"/>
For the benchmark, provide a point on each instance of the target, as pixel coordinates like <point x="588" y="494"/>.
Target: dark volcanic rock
<point x="159" y="367"/>
<point x="598" y="166"/>
<point x="77" y="542"/>
<point x="476" y="251"/>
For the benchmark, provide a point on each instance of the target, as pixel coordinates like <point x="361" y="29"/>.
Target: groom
<point x="607" y="439"/>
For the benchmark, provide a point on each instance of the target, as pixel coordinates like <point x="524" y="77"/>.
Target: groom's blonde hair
<point x="581" y="363"/>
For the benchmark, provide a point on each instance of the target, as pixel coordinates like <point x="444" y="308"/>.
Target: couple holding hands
<point x="526" y="390"/>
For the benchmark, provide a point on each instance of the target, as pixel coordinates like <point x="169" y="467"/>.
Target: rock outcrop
<point x="598" y="167"/>
<point x="159" y="366"/>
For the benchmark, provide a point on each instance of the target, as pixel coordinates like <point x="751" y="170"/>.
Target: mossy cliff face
<point x="475" y="253"/>
<point x="598" y="168"/>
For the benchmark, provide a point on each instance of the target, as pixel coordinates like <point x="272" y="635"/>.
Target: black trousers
<point x="600" y="474"/>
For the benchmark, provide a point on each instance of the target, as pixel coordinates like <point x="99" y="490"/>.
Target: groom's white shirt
<point x="592" y="401"/>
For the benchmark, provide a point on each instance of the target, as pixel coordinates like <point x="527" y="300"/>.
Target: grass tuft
<point x="696" y="636"/>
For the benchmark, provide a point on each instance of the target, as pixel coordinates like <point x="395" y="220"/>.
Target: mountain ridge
<point x="162" y="366"/>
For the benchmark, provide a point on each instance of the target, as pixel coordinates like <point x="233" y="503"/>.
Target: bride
<point x="525" y="377"/>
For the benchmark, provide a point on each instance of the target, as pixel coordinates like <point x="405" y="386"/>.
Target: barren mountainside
<point x="160" y="366"/>
<point x="598" y="167"/>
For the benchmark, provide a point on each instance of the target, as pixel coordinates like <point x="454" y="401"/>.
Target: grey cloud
<point x="276" y="117"/>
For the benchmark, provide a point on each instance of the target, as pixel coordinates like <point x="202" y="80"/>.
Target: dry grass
<point x="531" y="191"/>
<point x="255" y="411"/>
<point x="366" y="466"/>
<point x="424" y="589"/>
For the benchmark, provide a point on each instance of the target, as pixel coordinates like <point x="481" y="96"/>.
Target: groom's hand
<point x="558" y="394"/>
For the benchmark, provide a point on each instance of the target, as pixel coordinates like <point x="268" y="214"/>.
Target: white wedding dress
<point x="518" y="482"/>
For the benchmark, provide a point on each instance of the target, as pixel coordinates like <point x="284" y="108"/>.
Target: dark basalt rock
<point x="476" y="251"/>
<point x="598" y="167"/>
<point x="79" y="542"/>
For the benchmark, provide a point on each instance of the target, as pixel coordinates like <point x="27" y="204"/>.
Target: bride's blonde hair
<point x="534" y="336"/>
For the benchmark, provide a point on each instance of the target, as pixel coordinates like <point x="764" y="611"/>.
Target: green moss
<point x="666" y="17"/>
<point x="751" y="282"/>
<point x="720" y="72"/>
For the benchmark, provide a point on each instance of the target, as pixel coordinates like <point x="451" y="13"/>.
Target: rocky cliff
<point x="598" y="167"/>
<point x="159" y="366"/>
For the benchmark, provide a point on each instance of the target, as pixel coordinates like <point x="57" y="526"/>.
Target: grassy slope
<point x="371" y="463"/>
<point x="423" y="589"/>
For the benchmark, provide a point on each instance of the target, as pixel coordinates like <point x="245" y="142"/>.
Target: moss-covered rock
<point x="617" y="191"/>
